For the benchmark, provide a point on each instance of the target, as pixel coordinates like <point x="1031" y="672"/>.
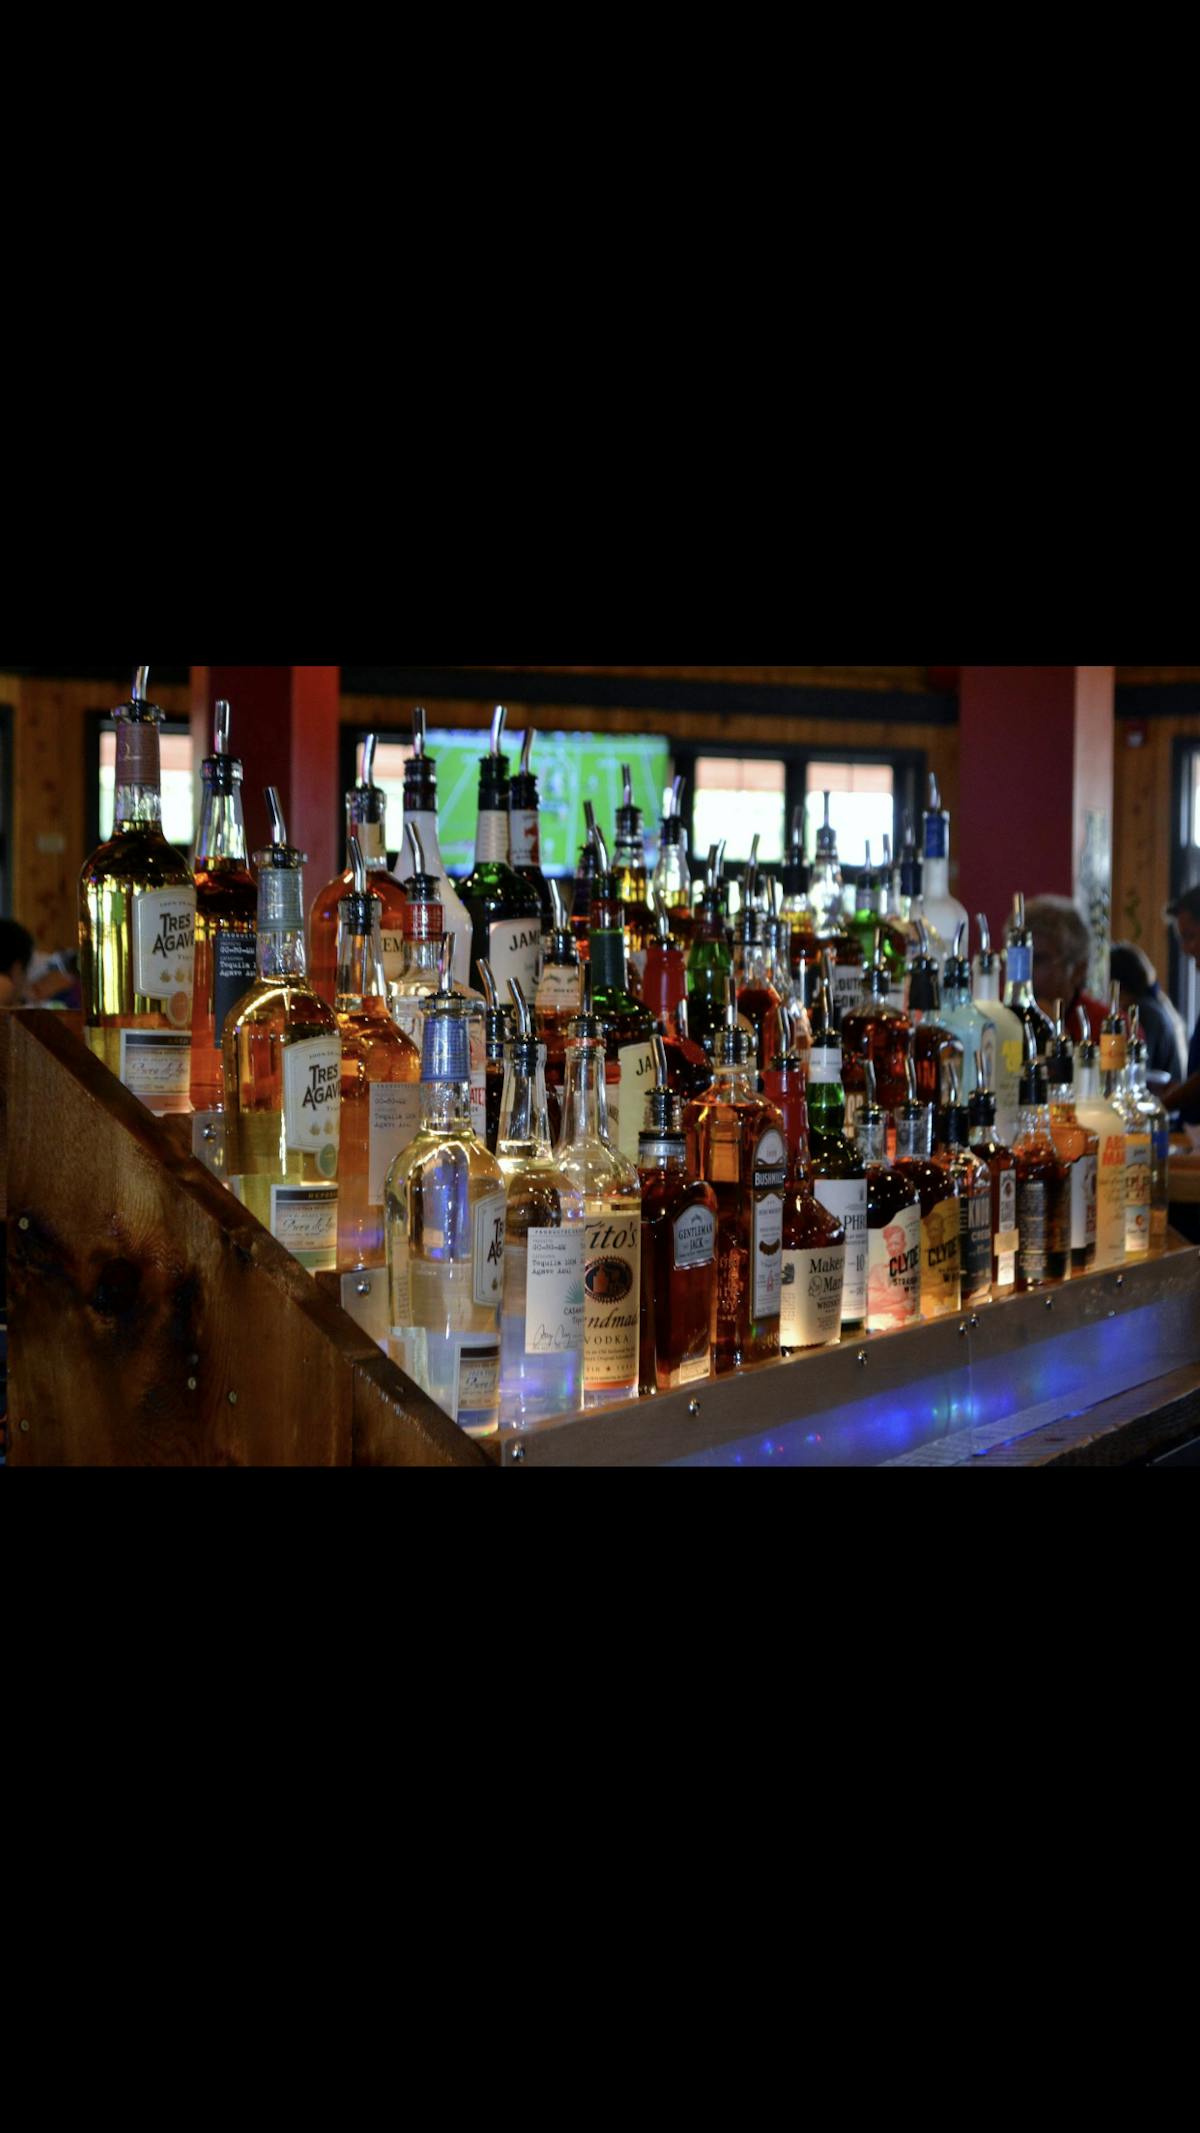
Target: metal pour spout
<point x="279" y="833"/>
<point x="141" y="684"/>
<point x="220" y="726"/>
<point x="367" y="780"/>
<point x="358" y="866"/>
<point x="499" y="719"/>
<point x="418" y="850"/>
<point x="419" y="724"/>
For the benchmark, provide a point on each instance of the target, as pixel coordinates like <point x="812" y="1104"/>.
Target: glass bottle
<point x="559" y="1000"/>
<point x="1002" y="1169"/>
<point x="893" y="1226"/>
<point x="941" y="1211"/>
<point x="943" y="913"/>
<point x="366" y="819"/>
<point x="679" y="1248"/>
<point x="524" y="821"/>
<point x="505" y="912"/>
<point x="865" y="923"/>
<point x="585" y="876"/>
<point x="1114" y="1069"/>
<point x="541" y="1363"/>
<point x="283" y="1074"/>
<point x="499" y="1032"/>
<point x="633" y="883"/>
<point x="973" y="1178"/>
<point x="758" y="1000"/>
<point x="895" y="941"/>
<point x="1018" y="991"/>
<point x="826" y="896"/>
<point x="935" y="1047"/>
<point x="1043" y="1185"/>
<point x="1100" y="1115"/>
<point x="975" y="1032"/>
<point x="796" y="908"/>
<point x="1078" y="1147"/>
<point x="226" y="937"/>
<point x="1159" y="1125"/>
<point x="664" y="979"/>
<point x="629" y="1026"/>
<point x="672" y="875"/>
<point x="611" y="1188"/>
<point x="137" y="924"/>
<point x="381" y="1075"/>
<point x="447" y="1210"/>
<point x="1007" y="1064"/>
<point x="838" y="1172"/>
<point x="710" y="961"/>
<point x="875" y="1030"/>
<point x="421" y="976"/>
<point x="421" y="816"/>
<point x="814" y="1241"/>
<point x="736" y="1144"/>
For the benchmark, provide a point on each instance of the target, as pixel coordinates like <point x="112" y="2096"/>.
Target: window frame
<point x="908" y="765"/>
<point x="94" y="724"/>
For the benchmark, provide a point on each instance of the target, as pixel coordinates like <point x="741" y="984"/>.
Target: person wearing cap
<point x="1184" y="1097"/>
<point x="1062" y="953"/>
<point x="1161" y="1023"/>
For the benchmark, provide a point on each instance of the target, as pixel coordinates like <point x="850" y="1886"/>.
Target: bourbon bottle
<point x="973" y="1179"/>
<point x="1043" y="1185"/>
<point x="736" y="1144"/>
<point x="1001" y="1163"/>
<point x="935" y="1046"/>
<point x="893" y="1226"/>
<point x="679" y="1248"/>
<point x="381" y="1076"/>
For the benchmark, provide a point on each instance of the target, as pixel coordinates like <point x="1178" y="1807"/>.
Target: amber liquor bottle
<point x="629" y="1026"/>
<point x="877" y="1032"/>
<point x="973" y="1179"/>
<point x="633" y="882"/>
<point x="226" y="935"/>
<point x="366" y="819"/>
<point x="559" y="1000"/>
<point x="814" y="1241"/>
<point x="935" y="1047"/>
<point x="1077" y="1145"/>
<point x="839" y="1173"/>
<point x="664" y="995"/>
<point x="679" y="1248"/>
<point x="1043" y="1183"/>
<point x="381" y="1076"/>
<point x="505" y="912"/>
<point x="1002" y="1170"/>
<point x="736" y="1144"/>
<point x="585" y="875"/>
<point x="893" y="1226"/>
<point x="941" y="1212"/>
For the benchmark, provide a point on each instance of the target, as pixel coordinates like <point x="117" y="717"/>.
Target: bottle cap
<point x="957" y="1117"/>
<point x="361" y="908"/>
<point x="222" y="772"/>
<point x="672" y="821"/>
<point x="1035" y="1086"/>
<point x="562" y="939"/>
<point x="420" y="772"/>
<point x="366" y="804"/>
<point x="925" y="988"/>
<point x="1060" y="1055"/>
<point x="586" y="1027"/>
<point x="958" y="965"/>
<point x="498" y="1020"/>
<point x="982" y="1105"/>
<point x="733" y="1046"/>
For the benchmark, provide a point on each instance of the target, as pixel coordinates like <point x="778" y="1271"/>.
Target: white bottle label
<point x="156" y="1067"/>
<point x="304" y="1219"/>
<point x="488" y="1258"/>
<point x="478" y="1042"/>
<point x="515" y="951"/>
<point x="813" y="1281"/>
<point x="846" y="1200"/>
<point x="1008" y="1236"/>
<point x="894" y="1273"/>
<point x="825" y="1068"/>
<point x="395" y="1123"/>
<point x="638" y="1071"/>
<point x="694" y="1239"/>
<point x="560" y="990"/>
<point x="1138" y="1192"/>
<point x="525" y="837"/>
<point x="476" y="1385"/>
<point x="312" y="1100"/>
<point x="612" y="1282"/>
<point x="847" y="988"/>
<point x="1083" y="1203"/>
<point x="164" y="950"/>
<point x="554" y="1291"/>
<point x="767" y="1247"/>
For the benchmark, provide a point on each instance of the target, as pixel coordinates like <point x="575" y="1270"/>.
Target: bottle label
<point x="395" y="1123"/>
<point x="156" y="1067"/>
<point x="304" y="1219"/>
<point x="164" y="951"/>
<point x="478" y="1062"/>
<point x="235" y="970"/>
<point x="846" y="1200"/>
<point x="894" y="1273"/>
<point x="847" y="988"/>
<point x="767" y="1248"/>
<point x="1008" y="1236"/>
<point x="312" y="1100"/>
<point x="560" y="991"/>
<point x="476" y="1385"/>
<point x="941" y="1259"/>
<point x="1033" y="1224"/>
<point x="825" y="1068"/>
<point x="811" y="1314"/>
<point x="1138" y="1192"/>
<point x="395" y="955"/>
<point x="612" y="1283"/>
<point x="515" y="951"/>
<point x="1018" y="965"/>
<point x="976" y="1246"/>
<point x="1114" y="1054"/>
<point x="492" y="836"/>
<point x="553" y="1301"/>
<point x="694" y="1239"/>
<point x="525" y="835"/>
<point x="770" y="1162"/>
<point x="1083" y="1203"/>
<point x="488" y="1255"/>
<point x="628" y="1102"/>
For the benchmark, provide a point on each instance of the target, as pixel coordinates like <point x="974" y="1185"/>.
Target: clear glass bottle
<point x="612" y="1193"/>
<point x="1159" y="1125"/>
<point x="366" y="819"/>
<point x="381" y="1075"/>
<point x="736" y="1144"/>
<point x="672" y="874"/>
<point x="559" y="1001"/>
<point x="1078" y="1147"/>
<point x="421" y="816"/>
<point x="447" y="1210"/>
<point x="679" y="1248"/>
<point x="838" y="1172"/>
<point x="941" y="1210"/>
<point x="935" y="1046"/>
<point x="506" y="912"/>
<point x="137" y="926"/>
<point x="1002" y="1169"/>
<point x="1043" y="1185"/>
<point x="629" y="1027"/>
<point x="283" y="1074"/>
<point x="893" y="1226"/>
<point x="1139" y="1153"/>
<point x="973" y="1178"/>
<point x="633" y="883"/>
<point x="796" y="907"/>
<point x="975" y="1032"/>
<point x="421" y="976"/>
<point x="226" y="936"/>
<point x="525" y="833"/>
<point x="826" y="898"/>
<point x="1018" y="990"/>
<point x="943" y="913"/>
<point x="1006" y="1067"/>
<point x="541" y="1365"/>
<point x="1100" y="1115"/>
<point x="710" y="960"/>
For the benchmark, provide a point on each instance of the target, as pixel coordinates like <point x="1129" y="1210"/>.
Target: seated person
<point x="1160" y="1020"/>
<point x="16" y="949"/>
<point x="1062" y="953"/>
<point x="1185" y="1097"/>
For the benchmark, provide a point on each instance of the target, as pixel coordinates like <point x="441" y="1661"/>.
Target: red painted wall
<point x="285" y="729"/>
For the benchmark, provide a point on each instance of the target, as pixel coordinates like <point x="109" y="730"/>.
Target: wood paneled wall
<point x="1145" y="832"/>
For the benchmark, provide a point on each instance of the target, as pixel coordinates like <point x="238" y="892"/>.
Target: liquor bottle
<point x="736" y="1144"/>
<point x="1001" y="1163"/>
<point x="796" y="908"/>
<point x="672" y="874"/>
<point x="447" y="1209"/>
<point x="421" y="977"/>
<point x="826" y="895"/>
<point x="865" y="922"/>
<point x="974" y="1182"/>
<point x="381" y="1074"/>
<point x="710" y="960"/>
<point x="1006" y="1066"/>
<point x="758" y="1000"/>
<point x="893" y="1226"/>
<point x="875" y="1031"/>
<point x="283" y="1074"/>
<point x="499" y="1032"/>
<point x="612" y="1275"/>
<point x="1078" y="1147"/>
<point x="585" y="876"/>
<point x="969" y="1024"/>
<point x="506" y="913"/>
<point x="1139" y="1192"/>
<point x="1018" y="991"/>
<point x="664" y="994"/>
<point x="559" y="1000"/>
<point x="1159" y="1125"/>
<point x="526" y="835"/>
<point x="629" y="1026"/>
<point x="541" y="1362"/>
<point x="366" y="819"/>
<point x="632" y="882"/>
<point x="941" y="1211"/>
<point x="814" y="1241"/>
<point x="137" y="922"/>
<point x="679" y="1248"/>
<point x="943" y="913"/>
<point x="226" y="937"/>
<point x="1100" y="1115"/>
<point x="838" y="1171"/>
<point x="935" y="1046"/>
<point x="1043" y="1185"/>
<point x="421" y="816"/>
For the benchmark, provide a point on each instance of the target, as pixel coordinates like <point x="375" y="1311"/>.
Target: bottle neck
<point x="585" y="1102"/>
<point x="524" y="1116"/>
<point x="282" y="956"/>
<point x="937" y="881"/>
<point x="492" y="842"/>
<point x="607" y="951"/>
<point x="1033" y="1122"/>
<point x="446" y="1070"/>
<point x="222" y="831"/>
<point x="360" y="962"/>
<point x="914" y="1134"/>
<point x="281" y="951"/>
<point x="137" y="800"/>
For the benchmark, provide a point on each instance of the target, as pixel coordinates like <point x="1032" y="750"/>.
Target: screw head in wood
<point x="24" y="1222"/>
<point x="24" y="1429"/>
<point x="233" y="1399"/>
<point x="518" y="1454"/>
<point x="693" y="1408"/>
<point x="862" y="1358"/>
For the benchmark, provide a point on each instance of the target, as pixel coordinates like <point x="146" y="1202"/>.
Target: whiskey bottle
<point x="1043" y="1185"/>
<point x="672" y="874"/>
<point x="612" y="1193"/>
<point x="1114" y="1072"/>
<point x="935" y="1046"/>
<point x="526" y="835"/>
<point x="1002" y="1169"/>
<point x="1159" y="1126"/>
<point x="875" y="1031"/>
<point x="283" y="1074"/>
<point x="381" y="1074"/>
<point x="137" y="921"/>
<point x="559" y="1000"/>
<point x="421" y="976"/>
<point x="1007" y="1063"/>
<point x="736" y="1144"/>
<point x="796" y="908"/>
<point x="679" y="1248"/>
<point x="838" y="1171"/>
<point x="506" y="913"/>
<point x="226" y="936"/>
<point x="1018" y="991"/>
<point x="1078" y="1147"/>
<point x="968" y="1023"/>
<point x="1098" y="1114"/>
<point x="893" y="1226"/>
<point x="814" y="1241"/>
<point x="421" y="816"/>
<point x="629" y="1026"/>
<point x="973" y="1179"/>
<point x="632" y="882"/>
<point x="943" y="913"/>
<point x="447" y="1209"/>
<point x="585" y="876"/>
<point x="542" y="1329"/>
<point x="826" y="896"/>
<point x="366" y="819"/>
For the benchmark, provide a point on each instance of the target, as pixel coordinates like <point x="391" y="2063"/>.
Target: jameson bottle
<point x="421" y="976"/>
<point x="226" y="936"/>
<point x="1078" y="1147"/>
<point x="630" y="1028"/>
<point x="893" y="1226"/>
<point x="541" y="1366"/>
<point x="137" y="923"/>
<point x="941" y="1212"/>
<point x="381" y="1075"/>
<point x="814" y="1241"/>
<point x="736" y="1144"/>
<point x="283" y="1074"/>
<point x="1002" y="1169"/>
<point x="1006" y="1067"/>
<point x="612" y="1194"/>
<point x="446" y="1221"/>
<point x="506" y="913"/>
<point x="366" y="819"/>
<point x="632" y="881"/>
<point x="525" y="834"/>
<point x="973" y="1179"/>
<point x="838" y="1171"/>
<point x="1043" y="1184"/>
<point x="421" y="815"/>
<point x="679" y="1248"/>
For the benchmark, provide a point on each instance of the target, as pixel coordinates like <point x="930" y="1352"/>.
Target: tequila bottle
<point x="226" y="936"/>
<point x="283" y="1074"/>
<point x="1018" y="991"/>
<point x="526" y="835"/>
<point x="1005" y="1067"/>
<point x="630" y="1028"/>
<point x="421" y="976"/>
<point x="838" y="1171"/>
<point x="1100" y="1115"/>
<point x="973" y="1179"/>
<point x="736" y="1144"/>
<point x="632" y="882"/>
<point x="447" y="1209"/>
<point x="137" y="921"/>
<point x="381" y="1075"/>
<point x="421" y="816"/>
<point x="506" y="913"/>
<point x="1151" y="1110"/>
<point x="1002" y="1170"/>
<point x="366" y="819"/>
<point x="893" y="1226"/>
<point x="612" y="1193"/>
<point x="542" y="1324"/>
<point x="679" y="1248"/>
<point x="672" y="875"/>
<point x="1078" y="1147"/>
<point x="1043" y="1184"/>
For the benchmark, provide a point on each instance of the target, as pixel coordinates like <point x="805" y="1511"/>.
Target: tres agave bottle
<point x="283" y="1074"/>
<point x="542" y="1329"/>
<point x="381" y="1076"/>
<point x="137" y="922"/>
<point x="226" y="937"/>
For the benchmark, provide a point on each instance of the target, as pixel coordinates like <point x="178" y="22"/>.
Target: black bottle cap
<point x="523" y="790"/>
<point x="1060" y="1063"/>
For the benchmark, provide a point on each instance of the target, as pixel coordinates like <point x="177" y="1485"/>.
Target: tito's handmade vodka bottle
<point x="226" y="935"/>
<point x="283" y="1074"/>
<point x="137" y="922"/>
